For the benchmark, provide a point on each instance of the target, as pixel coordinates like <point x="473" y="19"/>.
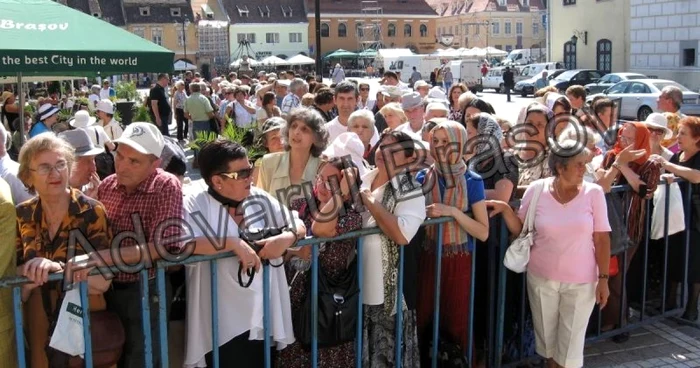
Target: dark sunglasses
<point x="239" y="175"/>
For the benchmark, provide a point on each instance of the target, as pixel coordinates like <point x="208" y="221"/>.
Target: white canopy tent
<point x="273" y="60"/>
<point x="300" y="60"/>
<point x="392" y="53"/>
<point x="182" y="65"/>
<point x="251" y="62"/>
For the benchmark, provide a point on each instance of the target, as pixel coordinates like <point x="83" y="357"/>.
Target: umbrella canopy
<point x="492" y="51"/>
<point x="43" y="37"/>
<point x="251" y="62"/>
<point x="340" y="53"/>
<point x="369" y="54"/>
<point x="273" y="60"/>
<point x="183" y="65"/>
<point x="300" y="60"/>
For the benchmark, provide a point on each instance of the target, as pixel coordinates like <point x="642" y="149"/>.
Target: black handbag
<point x="619" y="238"/>
<point x="337" y="309"/>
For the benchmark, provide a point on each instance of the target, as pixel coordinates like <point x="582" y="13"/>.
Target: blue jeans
<point x="448" y="85"/>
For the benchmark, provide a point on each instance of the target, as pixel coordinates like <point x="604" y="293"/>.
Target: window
<point x="250" y="37"/>
<point x="519" y="28"/>
<point x="569" y="2"/>
<point x="325" y="30"/>
<point x="689" y="57"/>
<point x="272" y="38"/>
<point x="500" y="47"/>
<point x="407" y="30"/>
<point x="466" y="29"/>
<point x="570" y="55"/>
<point x="495" y="28"/>
<point x="619" y="88"/>
<point x="604" y="56"/>
<point x="450" y="30"/>
<point x="342" y="30"/>
<point x="359" y="31"/>
<point x="535" y="29"/>
<point x="423" y="30"/>
<point x="286" y="11"/>
<point x="526" y="3"/>
<point x="145" y="11"/>
<point x="639" y="88"/>
<point x="507" y="27"/>
<point x="242" y="11"/>
<point x="391" y="30"/>
<point x="477" y="30"/>
<point x="139" y="31"/>
<point x="175" y="12"/>
<point x="458" y="29"/>
<point x="264" y="12"/>
<point x="509" y="48"/>
<point x="157" y="36"/>
<point x="295" y="37"/>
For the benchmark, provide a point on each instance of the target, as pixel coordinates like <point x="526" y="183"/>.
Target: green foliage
<point x="65" y="115"/>
<point x="244" y="136"/>
<point x="141" y="113"/>
<point x="126" y="91"/>
<point x="117" y="116"/>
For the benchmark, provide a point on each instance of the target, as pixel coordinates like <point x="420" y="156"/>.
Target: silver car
<point x="639" y="98"/>
<point x="610" y="80"/>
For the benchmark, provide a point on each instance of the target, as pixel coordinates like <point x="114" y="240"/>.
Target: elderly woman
<point x="334" y="257"/>
<point x="394" y="204"/>
<point x="361" y="122"/>
<point x="566" y="275"/>
<point x="464" y="193"/>
<point x="94" y="97"/>
<point x="304" y="137"/>
<point x="453" y="99"/>
<point x="226" y="171"/>
<point x="686" y="165"/>
<point x="179" y="98"/>
<point x="393" y="115"/>
<point x="45" y="119"/>
<point x="43" y="225"/>
<point x="534" y="155"/>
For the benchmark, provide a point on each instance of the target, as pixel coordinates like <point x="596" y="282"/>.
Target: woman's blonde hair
<point x="394" y="107"/>
<point x="46" y="142"/>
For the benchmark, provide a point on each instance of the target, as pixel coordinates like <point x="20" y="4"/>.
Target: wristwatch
<point x="603" y="276"/>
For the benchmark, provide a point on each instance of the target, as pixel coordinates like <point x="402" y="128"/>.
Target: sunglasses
<point x="239" y="175"/>
<point x="657" y="131"/>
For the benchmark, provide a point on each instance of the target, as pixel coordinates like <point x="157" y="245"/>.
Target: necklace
<point x="559" y="196"/>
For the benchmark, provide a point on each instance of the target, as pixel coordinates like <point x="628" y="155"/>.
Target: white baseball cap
<point x="657" y="120"/>
<point x="105" y="106"/>
<point x="144" y="138"/>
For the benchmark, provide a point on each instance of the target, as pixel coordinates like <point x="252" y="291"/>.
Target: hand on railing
<point x="439" y="210"/>
<point x="275" y="246"/>
<point x="37" y="270"/>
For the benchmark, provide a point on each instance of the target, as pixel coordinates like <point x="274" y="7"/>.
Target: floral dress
<point x="333" y="259"/>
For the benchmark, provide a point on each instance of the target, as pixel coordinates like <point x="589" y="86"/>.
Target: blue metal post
<point x="19" y="329"/>
<point x="500" y="304"/>
<point x="214" y="312"/>
<point x="436" y="301"/>
<point x="470" y="328"/>
<point x="146" y="319"/>
<point x="266" y="314"/>
<point x="162" y="316"/>
<point x="87" y="334"/>
<point x="314" y="305"/>
<point x="399" y="312"/>
<point x="358" y="332"/>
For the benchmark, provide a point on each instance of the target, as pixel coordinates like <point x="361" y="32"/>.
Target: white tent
<point x="273" y="60"/>
<point x="181" y="65"/>
<point x="300" y="60"/>
<point x="237" y="63"/>
<point x="11" y="79"/>
<point x="492" y="51"/>
<point x="392" y="53"/>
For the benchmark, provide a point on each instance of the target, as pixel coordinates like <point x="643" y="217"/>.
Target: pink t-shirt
<point x="563" y="248"/>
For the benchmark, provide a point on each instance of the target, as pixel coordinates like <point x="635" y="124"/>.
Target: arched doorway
<point x="570" y="55"/>
<point x="604" y="56"/>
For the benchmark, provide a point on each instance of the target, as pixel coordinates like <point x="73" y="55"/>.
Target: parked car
<point x="527" y="86"/>
<point x="611" y="79"/>
<point x="494" y="79"/>
<point x="576" y="77"/>
<point x="638" y="98"/>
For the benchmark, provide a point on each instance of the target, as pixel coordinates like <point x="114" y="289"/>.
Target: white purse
<point x="518" y="253"/>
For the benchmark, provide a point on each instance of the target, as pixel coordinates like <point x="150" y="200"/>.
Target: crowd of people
<point x="338" y="160"/>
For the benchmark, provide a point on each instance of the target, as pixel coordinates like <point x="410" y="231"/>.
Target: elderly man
<point x="670" y="101"/>
<point x="139" y="199"/>
<point x="83" y="175"/>
<point x="422" y="87"/>
<point x="412" y="105"/>
<point x="198" y="109"/>
<point x="9" y="169"/>
<point x="297" y="89"/>
<point x="436" y="110"/>
<point x="346" y="101"/>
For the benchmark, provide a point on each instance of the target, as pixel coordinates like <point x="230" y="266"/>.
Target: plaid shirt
<point x="290" y="102"/>
<point x="157" y="199"/>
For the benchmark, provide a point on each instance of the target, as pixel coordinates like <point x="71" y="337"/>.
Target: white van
<point x="467" y="72"/>
<point x="532" y="70"/>
<point x="524" y="56"/>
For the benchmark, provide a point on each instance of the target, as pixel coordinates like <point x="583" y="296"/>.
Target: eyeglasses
<point x="239" y="175"/>
<point x="46" y="169"/>
<point x="657" y="131"/>
<point x="364" y="89"/>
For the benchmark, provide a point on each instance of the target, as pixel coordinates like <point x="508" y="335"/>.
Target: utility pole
<point x="317" y="14"/>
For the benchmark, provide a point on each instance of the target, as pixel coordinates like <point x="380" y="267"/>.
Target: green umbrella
<point x="340" y="53"/>
<point x="369" y="53"/>
<point x="45" y="37"/>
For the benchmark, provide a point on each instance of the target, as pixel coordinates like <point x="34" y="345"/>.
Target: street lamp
<point x="185" y="25"/>
<point x="580" y="34"/>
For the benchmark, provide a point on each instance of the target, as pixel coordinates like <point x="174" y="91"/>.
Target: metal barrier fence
<point x="496" y="290"/>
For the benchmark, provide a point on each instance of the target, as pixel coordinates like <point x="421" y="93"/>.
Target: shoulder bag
<point x="518" y="253"/>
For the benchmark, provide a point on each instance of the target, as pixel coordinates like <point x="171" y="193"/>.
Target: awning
<point x="300" y="60"/>
<point x="181" y="65"/>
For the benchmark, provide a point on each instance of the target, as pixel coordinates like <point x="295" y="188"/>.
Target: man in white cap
<point x="658" y="127"/>
<point x="105" y="112"/>
<point x="83" y="175"/>
<point x="436" y="110"/>
<point x="139" y="199"/>
<point x="422" y="87"/>
<point x="9" y="169"/>
<point x="346" y="102"/>
<point x="412" y="105"/>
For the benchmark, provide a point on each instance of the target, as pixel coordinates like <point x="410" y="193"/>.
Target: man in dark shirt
<point x="160" y="106"/>
<point x="508" y="81"/>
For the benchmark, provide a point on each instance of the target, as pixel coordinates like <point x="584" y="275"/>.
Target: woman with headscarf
<point x="629" y="159"/>
<point x="454" y="190"/>
<point x="533" y="156"/>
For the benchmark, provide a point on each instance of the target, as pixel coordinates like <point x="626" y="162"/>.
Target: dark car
<point x="576" y="77"/>
<point x="527" y="86"/>
<point x="611" y="79"/>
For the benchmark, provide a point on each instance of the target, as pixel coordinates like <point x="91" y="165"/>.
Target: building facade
<point x="401" y="24"/>
<point x="664" y="40"/>
<point x="503" y="24"/>
<point x="581" y="43"/>
<point x="263" y="28"/>
<point x="212" y="30"/>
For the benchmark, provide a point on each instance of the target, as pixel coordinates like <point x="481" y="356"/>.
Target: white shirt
<point x="410" y="210"/>
<point x="240" y="309"/>
<point x="104" y="93"/>
<point x="242" y="116"/>
<point x="8" y="171"/>
<point x="335" y="128"/>
<point x="113" y="129"/>
<point x="369" y="105"/>
<point x="97" y="134"/>
<point x="92" y="101"/>
<point x="406" y="128"/>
